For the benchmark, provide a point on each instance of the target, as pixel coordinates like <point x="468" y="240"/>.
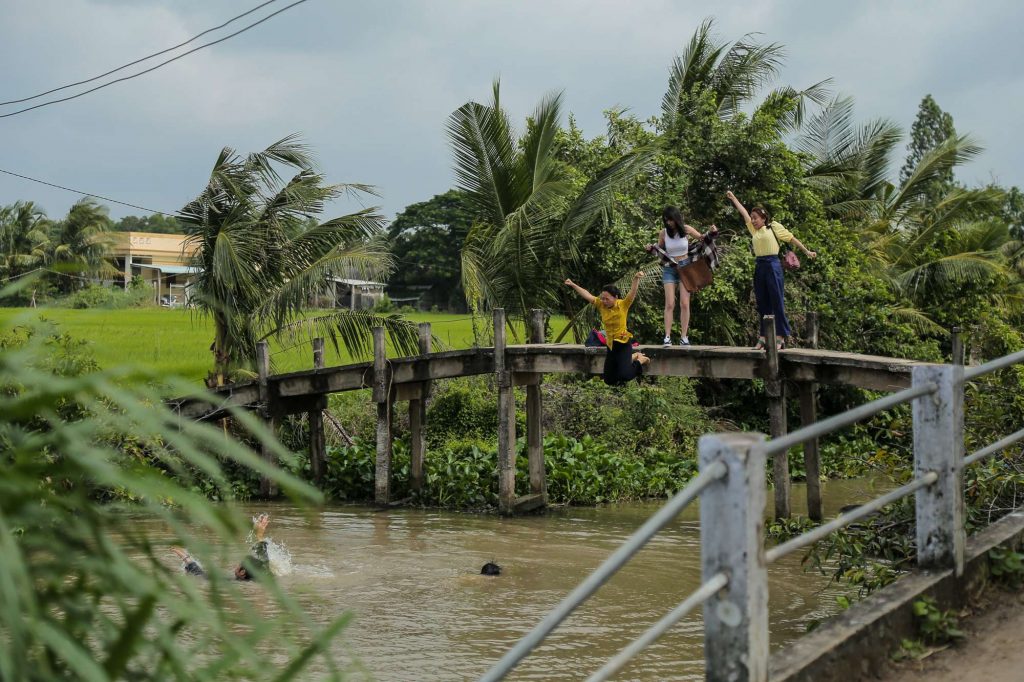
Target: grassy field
<point x="178" y="341"/>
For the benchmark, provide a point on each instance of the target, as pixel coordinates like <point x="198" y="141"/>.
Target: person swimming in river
<point x="249" y="568"/>
<point x="490" y="568"/>
<point x="621" y="364"/>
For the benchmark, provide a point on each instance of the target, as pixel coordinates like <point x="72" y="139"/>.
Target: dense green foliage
<point x="422" y="243"/>
<point x="86" y="588"/>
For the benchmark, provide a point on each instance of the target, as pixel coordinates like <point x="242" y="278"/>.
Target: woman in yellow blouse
<point x="768" y="282"/>
<point x="621" y="364"/>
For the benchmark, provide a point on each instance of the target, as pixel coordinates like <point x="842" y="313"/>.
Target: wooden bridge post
<point x="939" y="447"/>
<point x="809" y="415"/>
<point x="317" y="445"/>
<point x="736" y="618"/>
<point x="267" y="487"/>
<point x="956" y="346"/>
<point x="776" y="390"/>
<point x="535" y="418"/>
<point x="506" y="420"/>
<point x="382" y="396"/>
<point x="418" y="419"/>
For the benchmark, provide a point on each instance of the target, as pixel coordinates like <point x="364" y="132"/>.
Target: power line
<point x="154" y="68"/>
<point x="88" y="194"/>
<point x="137" y="61"/>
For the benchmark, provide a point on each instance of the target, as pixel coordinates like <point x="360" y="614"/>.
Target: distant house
<point x="161" y="260"/>
<point x="354" y="294"/>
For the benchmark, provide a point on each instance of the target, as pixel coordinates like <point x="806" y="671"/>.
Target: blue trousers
<point x="768" y="290"/>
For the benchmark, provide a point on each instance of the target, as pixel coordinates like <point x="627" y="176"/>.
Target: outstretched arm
<point x="636" y="286"/>
<point x="810" y="254"/>
<point x="739" y="207"/>
<point x="693" y="232"/>
<point x="587" y="296"/>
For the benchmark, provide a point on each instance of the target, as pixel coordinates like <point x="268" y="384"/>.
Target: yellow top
<point x="766" y="242"/>
<point x="614" y="319"/>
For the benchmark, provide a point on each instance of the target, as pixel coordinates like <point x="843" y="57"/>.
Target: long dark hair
<point x="612" y="289"/>
<point x="672" y="213"/>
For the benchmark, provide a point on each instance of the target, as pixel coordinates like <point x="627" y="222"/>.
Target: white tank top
<point x="677" y="247"/>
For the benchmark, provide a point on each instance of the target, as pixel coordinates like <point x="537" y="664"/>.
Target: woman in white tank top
<point x="674" y="239"/>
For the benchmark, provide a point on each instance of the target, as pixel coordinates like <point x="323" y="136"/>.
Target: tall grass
<point x="85" y="592"/>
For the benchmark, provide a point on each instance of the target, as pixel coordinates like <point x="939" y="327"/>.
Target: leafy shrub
<point x="111" y="298"/>
<point x="464" y="475"/>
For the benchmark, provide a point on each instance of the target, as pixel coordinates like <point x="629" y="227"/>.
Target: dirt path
<point x="992" y="651"/>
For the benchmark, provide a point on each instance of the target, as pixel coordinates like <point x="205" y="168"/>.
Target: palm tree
<point x="261" y="254"/>
<point x="534" y="220"/>
<point x="24" y="238"/>
<point x="924" y="249"/>
<point x="79" y="244"/>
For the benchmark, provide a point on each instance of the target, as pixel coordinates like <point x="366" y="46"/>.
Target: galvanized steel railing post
<point x="939" y="447"/>
<point x="732" y="542"/>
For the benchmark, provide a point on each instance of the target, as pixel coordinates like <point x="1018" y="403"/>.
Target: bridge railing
<point x="732" y="491"/>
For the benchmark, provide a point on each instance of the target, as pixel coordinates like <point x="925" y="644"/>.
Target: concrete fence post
<point x="939" y="447"/>
<point x="776" y="390"/>
<point x="506" y="419"/>
<point x="418" y="419"/>
<point x="382" y="396"/>
<point x="732" y="542"/>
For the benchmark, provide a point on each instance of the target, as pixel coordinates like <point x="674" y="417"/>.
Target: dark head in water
<point x="490" y="568"/>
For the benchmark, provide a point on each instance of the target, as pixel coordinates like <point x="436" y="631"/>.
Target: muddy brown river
<point x="422" y="611"/>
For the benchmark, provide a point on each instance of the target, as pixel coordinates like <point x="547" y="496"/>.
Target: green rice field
<point x="177" y="342"/>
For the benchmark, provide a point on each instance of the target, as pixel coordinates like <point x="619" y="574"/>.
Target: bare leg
<point x="670" y="305"/>
<point x="684" y="310"/>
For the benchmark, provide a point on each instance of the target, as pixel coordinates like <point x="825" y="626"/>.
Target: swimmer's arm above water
<point x="259" y="525"/>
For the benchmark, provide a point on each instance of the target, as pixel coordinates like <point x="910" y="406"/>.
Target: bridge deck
<point x="295" y="391"/>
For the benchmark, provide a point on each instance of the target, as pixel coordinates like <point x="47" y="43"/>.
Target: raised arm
<point x="739" y="207"/>
<point x="259" y="525"/>
<point x="636" y="286"/>
<point x="587" y="296"/>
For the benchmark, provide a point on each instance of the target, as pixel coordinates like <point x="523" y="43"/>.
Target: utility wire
<point x="154" y="68"/>
<point x="137" y="61"/>
<point x="88" y="194"/>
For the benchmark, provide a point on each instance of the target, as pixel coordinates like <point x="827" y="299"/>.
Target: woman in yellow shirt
<point x="621" y="364"/>
<point x="768" y="282"/>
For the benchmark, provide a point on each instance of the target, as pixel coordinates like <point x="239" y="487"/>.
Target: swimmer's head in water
<point x="241" y="573"/>
<point x="490" y="568"/>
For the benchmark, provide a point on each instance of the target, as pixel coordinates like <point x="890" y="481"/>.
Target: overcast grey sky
<point x="371" y="85"/>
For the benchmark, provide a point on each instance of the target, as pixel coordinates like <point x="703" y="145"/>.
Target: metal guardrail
<point x="732" y="472"/>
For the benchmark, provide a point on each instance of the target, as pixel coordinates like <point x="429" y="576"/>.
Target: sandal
<point x="760" y="343"/>
<point x="780" y="344"/>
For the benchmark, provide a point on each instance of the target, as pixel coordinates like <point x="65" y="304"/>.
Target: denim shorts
<point x="669" y="274"/>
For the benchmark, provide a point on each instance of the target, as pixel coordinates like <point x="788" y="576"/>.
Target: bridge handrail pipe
<point x="992" y="366"/>
<point x="836" y="422"/>
<point x="998" y="446"/>
<point x="844" y="520"/>
<point x="605" y="571"/>
<point x="685" y="607"/>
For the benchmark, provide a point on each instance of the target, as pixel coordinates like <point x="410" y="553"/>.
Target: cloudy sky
<point x="370" y="85"/>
